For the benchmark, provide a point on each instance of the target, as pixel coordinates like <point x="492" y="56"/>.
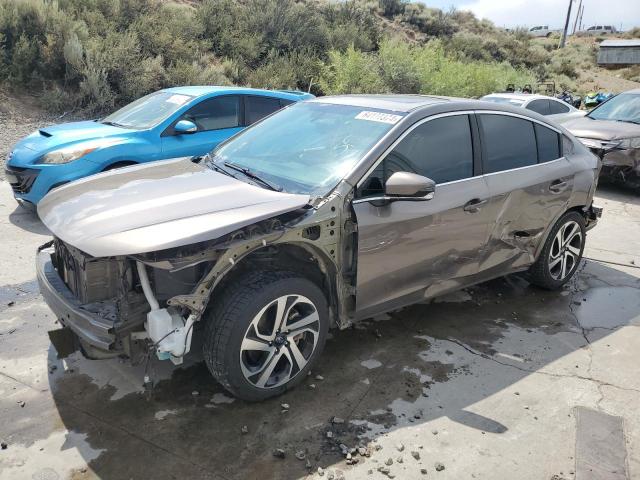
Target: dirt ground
<point x="500" y="381"/>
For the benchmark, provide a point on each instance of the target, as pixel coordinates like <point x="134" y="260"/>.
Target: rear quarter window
<point x="548" y="142"/>
<point x="508" y="142"/>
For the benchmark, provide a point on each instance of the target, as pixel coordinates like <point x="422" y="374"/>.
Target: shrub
<point x="351" y="72"/>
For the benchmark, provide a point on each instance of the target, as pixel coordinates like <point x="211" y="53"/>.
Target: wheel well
<point x="303" y="260"/>
<point x="121" y="163"/>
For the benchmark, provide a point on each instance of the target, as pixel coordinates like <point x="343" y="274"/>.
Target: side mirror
<point x="409" y="186"/>
<point x="184" y="127"/>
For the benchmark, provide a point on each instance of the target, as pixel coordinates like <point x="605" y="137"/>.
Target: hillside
<point x="72" y="55"/>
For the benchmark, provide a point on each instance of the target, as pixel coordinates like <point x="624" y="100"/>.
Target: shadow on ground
<point x="415" y="365"/>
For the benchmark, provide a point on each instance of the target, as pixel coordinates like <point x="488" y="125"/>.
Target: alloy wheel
<point x="565" y="251"/>
<point x="279" y="341"/>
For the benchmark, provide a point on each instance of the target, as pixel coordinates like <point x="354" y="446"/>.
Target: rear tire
<point x="265" y="333"/>
<point x="561" y="253"/>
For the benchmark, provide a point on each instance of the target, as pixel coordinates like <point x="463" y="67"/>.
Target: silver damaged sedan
<point x="327" y="212"/>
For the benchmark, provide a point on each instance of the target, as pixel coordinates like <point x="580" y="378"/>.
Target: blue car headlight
<point x="74" y="152"/>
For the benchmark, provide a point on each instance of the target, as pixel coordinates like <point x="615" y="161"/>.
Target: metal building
<point x="619" y="52"/>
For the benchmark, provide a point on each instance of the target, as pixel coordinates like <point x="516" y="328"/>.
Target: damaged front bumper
<point x="92" y="329"/>
<point x="621" y="165"/>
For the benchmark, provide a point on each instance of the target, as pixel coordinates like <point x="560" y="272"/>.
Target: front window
<point x="623" y="108"/>
<point x="503" y="100"/>
<point x="148" y="111"/>
<point x="308" y="147"/>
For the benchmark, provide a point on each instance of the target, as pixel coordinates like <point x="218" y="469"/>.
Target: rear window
<point x="509" y="142"/>
<point x="557" y="107"/>
<point x="548" y="144"/>
<point x="539" y="106"/>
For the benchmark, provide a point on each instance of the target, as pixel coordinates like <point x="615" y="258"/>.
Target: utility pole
<point x="575" y="22"/>
<point x="581" y="12"/>
<point x="563" y="40"/>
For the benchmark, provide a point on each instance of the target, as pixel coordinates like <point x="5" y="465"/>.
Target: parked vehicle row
<point x="327" y="212"/>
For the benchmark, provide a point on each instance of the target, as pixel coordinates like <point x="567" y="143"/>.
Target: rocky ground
<point x="499" y="381"/>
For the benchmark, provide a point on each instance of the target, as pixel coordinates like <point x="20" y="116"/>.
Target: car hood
<point x="586" y="127"/>
<point x="65" y="134"/>
<point x="155" y="206"/>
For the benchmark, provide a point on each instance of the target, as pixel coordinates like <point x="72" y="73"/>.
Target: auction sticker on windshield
<point x="379" y="117"/>
<point x="178" y="99"/>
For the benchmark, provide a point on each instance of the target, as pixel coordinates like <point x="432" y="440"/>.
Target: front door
<point x="410" y="250"/>
<point x="217" y="119"/>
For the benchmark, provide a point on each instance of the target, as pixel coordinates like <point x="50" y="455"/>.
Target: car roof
<point x="200" y="90"/>
<point x="398" y="103"/>
<point x="521" y="96"/>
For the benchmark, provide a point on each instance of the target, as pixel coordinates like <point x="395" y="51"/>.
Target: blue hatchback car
<point x="175" y="122"/>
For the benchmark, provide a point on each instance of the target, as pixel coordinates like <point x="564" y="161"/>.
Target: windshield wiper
<point x="208" y="161"/>
<point x="253" y="176"/>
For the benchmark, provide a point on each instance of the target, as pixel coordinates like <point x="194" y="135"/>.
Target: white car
<point x="541" y="31"/>
<point x="555" y="109"/>
<point x="600" y="30"/>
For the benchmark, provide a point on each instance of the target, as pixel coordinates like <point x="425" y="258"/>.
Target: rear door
<point x="217" y="119"/>
<point x="530" y="183"/>
<point x="407" y="249"/>
<point x="257" y="107"/>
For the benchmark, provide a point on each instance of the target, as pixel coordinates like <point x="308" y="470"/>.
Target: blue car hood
<point x="65" y="134"/>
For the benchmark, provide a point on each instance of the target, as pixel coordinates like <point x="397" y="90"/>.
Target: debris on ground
<point x="415" y="455"/>
<point x="400" y="447"/>
<point x="389" y="462"/>
<point x="423" y="471"/>
<point x="244" y="429"/>
<point x="337" y="420"/>
<point x="439" y="467"/>
<point x="319" y="377"/>
<point x="11" y="303"/>
<point x="21" y="403"/>
<point x="3" y="445"/>
<point x="320" y="471"/>
<point x="284" y="406"/>
<point x="300" y="455"/>
<point x="279" y="453"/>
<point x="195" y="393"/>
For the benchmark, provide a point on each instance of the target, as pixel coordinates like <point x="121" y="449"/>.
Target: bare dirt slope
<point x="19" y="116"/>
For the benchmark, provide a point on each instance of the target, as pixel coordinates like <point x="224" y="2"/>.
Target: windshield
<point x="148" y="111"/>
<point x="307" y="147"/>
<point x="504" y="100"/>
<point x="622" y="108"/>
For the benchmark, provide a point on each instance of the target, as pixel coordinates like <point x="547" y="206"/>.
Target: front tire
<point x="264" y="333"/>
<point x="561" y="253"/>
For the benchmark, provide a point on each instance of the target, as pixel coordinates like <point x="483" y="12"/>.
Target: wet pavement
<point x="485" y="383"/>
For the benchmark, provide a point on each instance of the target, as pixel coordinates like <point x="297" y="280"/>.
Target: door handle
<point x="558" y="186"/>
<point x="473" y="205"/>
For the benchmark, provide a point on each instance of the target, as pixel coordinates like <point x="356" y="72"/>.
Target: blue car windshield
<point x="623" y="108"/>
<point x="306" y="148"/>
<point x="148" y="111"/>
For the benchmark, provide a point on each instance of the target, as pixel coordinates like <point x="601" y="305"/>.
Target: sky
<point x="526" y="13"/>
